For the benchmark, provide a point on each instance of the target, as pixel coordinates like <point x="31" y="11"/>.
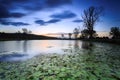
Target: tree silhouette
<point x="29" y="32"/>
<point x="115" y="32"/>
<point x="70" y="34"/>
<point x="62" y="35"/>
<point x="18" y="32"/>
<point x="85" y="33"/>
<point x="90" y="17"/>
<point x="76" y="32"/>
<point x="25" y="30"/>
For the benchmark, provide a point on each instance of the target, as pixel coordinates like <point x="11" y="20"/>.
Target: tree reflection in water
<point x="25" y="46"/>
<point x="86" y="45"/>
<point x="76" y="45"/>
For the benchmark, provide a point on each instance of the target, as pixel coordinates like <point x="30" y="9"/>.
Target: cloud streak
<point x="78" y="21"/>
<point x="3" y="22"/>
<point x="64" y="15"/>
<point x="6" y="6"/>
<point x="17" y="15"/>
<point x="53" y="21"/>
<point x="44" y="23"/>
<point x="40" y="22"/>
<point x="54" y="3"/>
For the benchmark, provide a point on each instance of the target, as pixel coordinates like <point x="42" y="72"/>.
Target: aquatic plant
<point x="96" y="63"/>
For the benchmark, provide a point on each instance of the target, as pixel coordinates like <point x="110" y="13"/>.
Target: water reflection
<point x="37" y="47"/>
<point x="76" y="45"/>
<point x="70" y="44"/>
<point x="25" y="46"/>
<point x="86" y="45"/>
<point x="97" y="61"/>
<point x="13" y="57"/>
<point x="2" y="46"/>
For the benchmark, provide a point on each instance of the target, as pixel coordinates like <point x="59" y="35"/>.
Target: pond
<point x="22" y="50"/>
<point x="59" y="60"/>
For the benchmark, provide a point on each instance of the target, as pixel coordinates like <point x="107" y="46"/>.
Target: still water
<point x="59" y="59"/>
<point x="22" y="50"/>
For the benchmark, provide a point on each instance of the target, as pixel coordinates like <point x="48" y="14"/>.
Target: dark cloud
<point x="78" y="21"/>
<point x="6" y="6"/>
<point x="19" y="24"/>
<point x="4" y="22"/>
<point x="54" y="3"/>
<point x="17" y="15"/>
<point x="53" y="21"/>
<point x="12" y="1"/>
<point x="64" y="15"/>
<point x="4" y="13"/>
<point x="43" y="23"/>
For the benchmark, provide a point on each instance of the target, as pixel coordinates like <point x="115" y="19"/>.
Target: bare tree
<point x="76" y="32"/>
<point x="90" y="17"/>
<point x="70" y="34"/>
<point x="18" y="32"/>
<point x="115" y="32"/>
<point x="25" y="30"/>
<point x="86" y="33"/>
<point x="29" y="32"/>
<point x="62" y="35"/>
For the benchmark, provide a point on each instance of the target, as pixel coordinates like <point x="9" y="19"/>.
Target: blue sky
<point x="54" y="16"/>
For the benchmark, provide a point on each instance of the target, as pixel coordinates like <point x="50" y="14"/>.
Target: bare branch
<point x="90" y="17"/>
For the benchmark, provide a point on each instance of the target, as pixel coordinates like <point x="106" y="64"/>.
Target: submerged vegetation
<point x="88" y="63"/>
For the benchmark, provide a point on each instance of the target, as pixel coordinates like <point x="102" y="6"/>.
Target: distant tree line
<point x="24" y="35"/>
<point x="90" y="17"/>
<point x="25" y="31"/>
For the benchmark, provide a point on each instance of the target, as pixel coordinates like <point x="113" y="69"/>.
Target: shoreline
<point x="112" y="41"/>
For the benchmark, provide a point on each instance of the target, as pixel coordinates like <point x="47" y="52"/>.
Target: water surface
<point x="22" y="50"/>
<point x="59" y="59"/>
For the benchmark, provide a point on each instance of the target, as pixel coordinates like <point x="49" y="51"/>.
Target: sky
<point x="55" y="16"/>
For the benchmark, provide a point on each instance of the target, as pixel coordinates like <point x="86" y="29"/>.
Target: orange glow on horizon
<point x="100" y="34"/>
